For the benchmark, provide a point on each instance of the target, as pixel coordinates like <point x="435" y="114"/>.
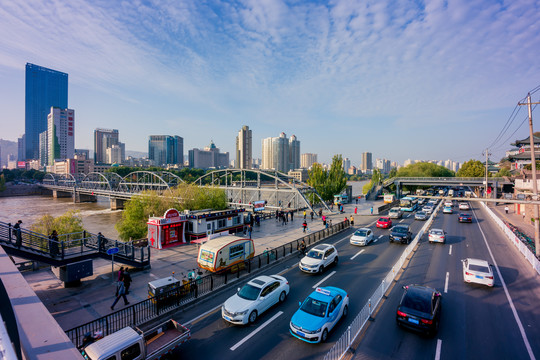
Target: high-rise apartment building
<point x="276" y="150"/>
<point x="60" y="134"/>
<point x="294" y="153"/>
<point x="104" y="139"/>
<point x="44" y="148"/>
<point x="383" y="165"/>
<point x="43" y="88"/>
<point x="307" y="160"/>
<point x="244" y="153"/>
<point x="346" y="164"/>
<point x="115" y="154"/>
<point x="21" y="150"/>
<point x="166" y="150"/>
<point x="367" y="162"/>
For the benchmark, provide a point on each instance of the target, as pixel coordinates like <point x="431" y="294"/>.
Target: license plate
<point x="305" y="269"/>
<point x="300" y="333"/>
<point x="414" y="321"/>
<point x="227" y="318"/>
<point x="479" y="277"/>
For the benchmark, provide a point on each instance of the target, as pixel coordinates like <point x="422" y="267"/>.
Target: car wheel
<point x="282" y="296"/>
<point x="345" y="311"/>
<point x="324" y="335"/>
<point x="335" y="260"/>
<point x="253" y="316"/>
<point x="321" y="269"/>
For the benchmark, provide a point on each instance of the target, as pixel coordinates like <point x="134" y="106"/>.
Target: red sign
<point x="171" y="213"/>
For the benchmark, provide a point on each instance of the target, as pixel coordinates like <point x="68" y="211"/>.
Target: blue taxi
<point x="319" y="313"/>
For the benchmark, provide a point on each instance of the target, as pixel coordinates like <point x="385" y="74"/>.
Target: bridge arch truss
<point x="139" y="181"/>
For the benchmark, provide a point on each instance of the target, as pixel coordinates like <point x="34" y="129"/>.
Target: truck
<point x="136" y="344"/>
<point x="224" y="252"/>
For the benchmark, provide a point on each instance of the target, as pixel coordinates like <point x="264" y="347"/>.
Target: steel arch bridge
<point x="139" y="181"/>
<point x="277" y="189"/>
<point x="65" y="180"/>
<point x="100" y="181"/>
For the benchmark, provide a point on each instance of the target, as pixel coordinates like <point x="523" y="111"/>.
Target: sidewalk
<point x="75" y="306"/>
<point x="523" y="224"/>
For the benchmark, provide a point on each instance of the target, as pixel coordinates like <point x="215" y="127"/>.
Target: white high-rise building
<point x="275" y="153"/>
<point x="60" y="134"/>
<point x="367" y="162"/>
<point x="244" y="153"/>
<point x="294" y="153"/>
<point x="307" y="160"/>
<point x="116" y="153"/>
<point x="346" y="164"/>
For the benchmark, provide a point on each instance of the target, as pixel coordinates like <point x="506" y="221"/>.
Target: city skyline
<point x="346" y="77"/>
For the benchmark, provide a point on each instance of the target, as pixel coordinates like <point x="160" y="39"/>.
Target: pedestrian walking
<point x="292" y="215"/>
<point x="121" y="274"/>
<point x="355" y="210"/>
<point x="356" y="200"/>
<point x="324" y="220"/>
<point x="120" y="293"/>
<point x="311" y="213"/>
<point x="304" y="214"/>
<point x="352" y="221"/>
<point x="506" y="209"/>
<point x="127" y="280"/>
<point x="524" y="215"/>
<point x="320" y="212"/>
<point x="304" y="226"/>
<point x="250" y="229"/>
<point x="371" y="210"/>
<point x="101" y="242"/>
<point x="17" y="233"/>
<point x="53" y="244"/>
<point x="302" y="247"/>
<point x="277" y="215"/>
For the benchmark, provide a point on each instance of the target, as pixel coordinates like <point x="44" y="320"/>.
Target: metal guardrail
<point x="154" y="307"/>
<point x="343" y="344"/>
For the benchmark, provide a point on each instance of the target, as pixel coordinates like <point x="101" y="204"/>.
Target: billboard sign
<point x="258" y="205"/>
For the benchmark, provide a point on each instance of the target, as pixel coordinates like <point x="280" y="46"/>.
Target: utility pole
<point x="533" y="168"/>
<point x="487" y="153"/>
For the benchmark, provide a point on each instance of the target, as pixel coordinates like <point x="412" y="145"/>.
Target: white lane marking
<point x="408" y="215"/>
<point x="323" y="280"/>
<point x="514" y="311"/>
<point x="446" y="282"/>
<point x="401" y="220"/>
<point x="358" y="253"/>
<point x="380" y="236"/>
<point x="238" y="344"/>
<point x="438" y="350"/>
<point x="450" y="251"/>
<point x="345" y="238"/>
<point x="202" y="315"/>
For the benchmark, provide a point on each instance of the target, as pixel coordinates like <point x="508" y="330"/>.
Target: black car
<point x="401" y="233"/>
<point x="465" y="218"/>
<point x="420" y="309"/>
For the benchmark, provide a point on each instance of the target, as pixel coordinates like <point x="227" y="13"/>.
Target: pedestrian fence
<point x="189" y="291"/>
<point x="343" y="344"/>
<point x="514" y="239"/>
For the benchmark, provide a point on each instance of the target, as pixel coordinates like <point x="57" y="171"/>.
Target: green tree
<point x="503" y="172"/>
<point x="472" y="168"/>
<point x="424" y="170"/>
<point x="328" y="183"/>
<point x="69" y="222"/>
<point x="2" y="183"/>
<point x="150" y="203"/>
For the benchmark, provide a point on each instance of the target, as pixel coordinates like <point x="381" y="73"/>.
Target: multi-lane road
<point x="476" y="322"/>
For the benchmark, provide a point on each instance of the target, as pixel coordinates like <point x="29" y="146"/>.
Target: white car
<point x="464" y="206"/>
<point x="437" y="235"/>
<point x="319" y="258"/>
<point x="427" y="209"/>
<point x="448" y="204"/>
<point x="477" y="271"/>
<point x="362" y="236"/>
<point x="254" y="298"/>
<point x="395" y="213"/>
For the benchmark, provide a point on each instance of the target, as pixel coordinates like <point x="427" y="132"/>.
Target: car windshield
<point x="479" y="268"/>
<point x="249" y="292"/>
<point x="436" y="232"/>
<point x="416" y="302"/>
<point x="420" y="213"/>
<point x="360" y="233"/>
<point x="315" y="254"/>
<point x="314" y="307"/>
<point x="464" y="215"/>
<point x="400" y="229"/>
<point x="383" y="219"/>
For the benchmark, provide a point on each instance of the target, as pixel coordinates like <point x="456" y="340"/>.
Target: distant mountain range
<point x="136" y="154"/>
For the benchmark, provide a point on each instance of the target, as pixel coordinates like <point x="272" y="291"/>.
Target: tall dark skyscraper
<point x="44" y="88"/>
<point x="166" y="149"/>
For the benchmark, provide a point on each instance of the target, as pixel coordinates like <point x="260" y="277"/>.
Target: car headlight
<point x="242" y="312"/>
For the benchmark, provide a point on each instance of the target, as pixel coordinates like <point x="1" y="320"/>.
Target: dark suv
<point x="401" y="233"/>
<point x="420" y="309"/>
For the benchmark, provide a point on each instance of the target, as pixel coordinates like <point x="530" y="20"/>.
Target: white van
<point x="224" y="251"/>
<point x="395" y="213"/>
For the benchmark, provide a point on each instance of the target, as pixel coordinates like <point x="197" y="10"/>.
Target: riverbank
<point x="23" y="190"/>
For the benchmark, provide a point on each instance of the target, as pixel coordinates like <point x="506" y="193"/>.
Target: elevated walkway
<point x="70" y="248"/>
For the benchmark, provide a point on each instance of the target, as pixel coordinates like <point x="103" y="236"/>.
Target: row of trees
<point x="328" y="182"/>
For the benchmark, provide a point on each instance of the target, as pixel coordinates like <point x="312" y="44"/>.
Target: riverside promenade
<point x="71" y="307"/>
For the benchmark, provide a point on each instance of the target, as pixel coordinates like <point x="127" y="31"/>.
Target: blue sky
<point x="402" y="79"/>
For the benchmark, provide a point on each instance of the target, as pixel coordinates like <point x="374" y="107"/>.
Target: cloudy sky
<point x="401" y="79"/>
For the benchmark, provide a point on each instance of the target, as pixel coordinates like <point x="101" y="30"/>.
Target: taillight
<point x="468" y="273"/>
<point x="489" y="277"/>
<point x="427" y="322"/>
<point x="401" y="313"/>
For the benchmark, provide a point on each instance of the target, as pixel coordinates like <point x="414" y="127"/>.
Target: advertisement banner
<point x="258" y="205"/>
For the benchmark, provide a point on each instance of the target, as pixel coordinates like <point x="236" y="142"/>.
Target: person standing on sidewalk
<point x="371" y="210"/>
<point x="53" y="244"/>
<point x="120" y="293"/>
<point x="355" y="210"/>
<point x="305" y="214"/>
<point x="304" y="226"/>
<point x="127" y="280"/>
<point x="250" y="229"/>
<point x="352" y="221"/>
<point x="506" y="209"/>
<point x="121" y="274"/>
<point x="312" y="215"/>
<point x="17" y="233"/>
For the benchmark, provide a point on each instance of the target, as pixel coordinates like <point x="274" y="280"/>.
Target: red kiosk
<point x="168" y="230"/>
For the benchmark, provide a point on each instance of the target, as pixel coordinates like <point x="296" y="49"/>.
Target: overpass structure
<point x="399" y="182"/>
<point x="242" y="186"/>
